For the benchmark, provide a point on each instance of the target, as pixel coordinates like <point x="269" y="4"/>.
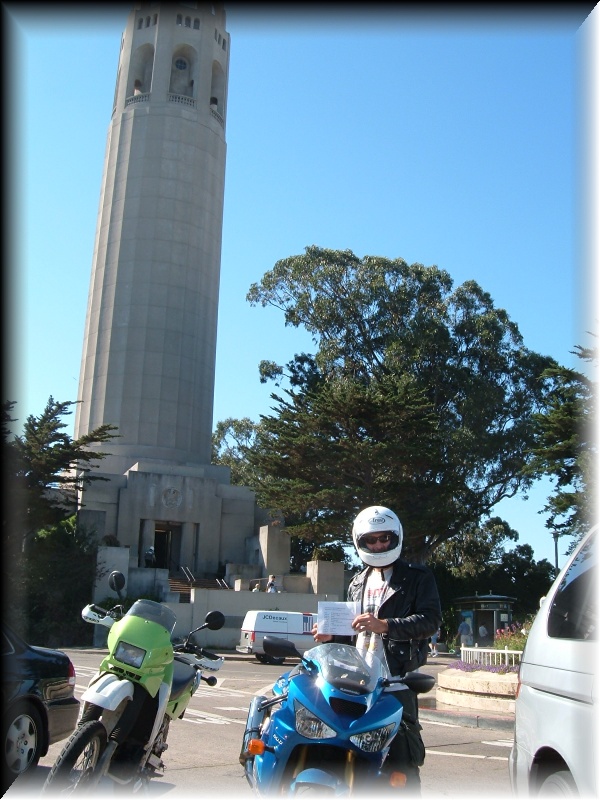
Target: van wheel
<point x="261" y="657"/>
<point x="559" y="784"/>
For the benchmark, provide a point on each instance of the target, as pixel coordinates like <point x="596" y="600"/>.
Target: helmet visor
<point x="379" y="542"/>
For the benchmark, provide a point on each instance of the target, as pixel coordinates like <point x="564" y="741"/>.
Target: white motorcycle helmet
<point x="377" y="519"/>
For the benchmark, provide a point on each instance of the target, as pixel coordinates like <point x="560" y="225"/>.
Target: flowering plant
<point x="513" y="636"/>
<point x="499" y="669"/>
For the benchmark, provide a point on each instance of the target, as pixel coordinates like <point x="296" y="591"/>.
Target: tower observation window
<point x="181" y="63"/>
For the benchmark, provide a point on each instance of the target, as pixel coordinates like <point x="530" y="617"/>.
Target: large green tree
<point x="477" y="561"/>
<point x="339" y="440"/>
<point x="418" y="395"/>
<point x="566" y="448"/>
<point x="231" y="441"/>
<point x="49" y="563"/>
<point x="44" y="468"/>
<point x="471" y="552"/>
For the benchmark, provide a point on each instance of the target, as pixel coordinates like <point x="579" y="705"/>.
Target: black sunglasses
<point x="384" y="538"/>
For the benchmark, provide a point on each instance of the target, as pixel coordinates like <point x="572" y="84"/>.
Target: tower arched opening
<point x="183" y="71"/>
<point x="217" y="89"/>
<point x="140" y="74"/>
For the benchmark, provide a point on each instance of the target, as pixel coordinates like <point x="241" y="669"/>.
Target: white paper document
<point x="336" y="618"/>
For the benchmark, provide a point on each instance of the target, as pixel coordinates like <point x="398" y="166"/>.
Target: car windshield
<point x="343" y="667"/>
<point x="154" y="612"/>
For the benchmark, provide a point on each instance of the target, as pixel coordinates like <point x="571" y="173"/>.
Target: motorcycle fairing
<point x="163" y="699"/>
<point x="280" y="732"/>
<point x="108" y="691"/>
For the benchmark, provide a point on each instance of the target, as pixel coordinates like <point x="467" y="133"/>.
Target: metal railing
<point x="489" y="656"/>
<point x="188" y="575"/>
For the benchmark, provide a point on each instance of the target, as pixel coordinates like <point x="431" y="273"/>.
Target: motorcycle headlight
<point x="130" y="654"/>
<point x="375" y="740"/>
<point x="310" y="726"/>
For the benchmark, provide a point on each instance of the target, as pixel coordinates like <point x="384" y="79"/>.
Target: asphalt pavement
<point x="429" y="708"/>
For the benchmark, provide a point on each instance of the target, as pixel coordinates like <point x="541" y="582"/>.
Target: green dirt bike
<point x="143" y="683"/>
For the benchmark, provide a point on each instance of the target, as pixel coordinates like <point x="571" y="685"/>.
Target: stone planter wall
<point x="488" y="691"/>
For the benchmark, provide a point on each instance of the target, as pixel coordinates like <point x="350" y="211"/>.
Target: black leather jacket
<point x="412" y="611"/>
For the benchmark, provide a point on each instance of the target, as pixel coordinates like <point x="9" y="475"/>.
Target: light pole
<point x="555" y="537"/>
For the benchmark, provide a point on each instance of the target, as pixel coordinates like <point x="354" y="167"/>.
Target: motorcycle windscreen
<point x="153" y="612"/>
<point x="343" y="667"/>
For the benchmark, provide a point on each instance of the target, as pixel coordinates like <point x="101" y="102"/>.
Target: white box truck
<point x="293" y="625"/>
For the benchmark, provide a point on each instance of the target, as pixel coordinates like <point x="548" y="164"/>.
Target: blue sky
<point x="452" y="139"/>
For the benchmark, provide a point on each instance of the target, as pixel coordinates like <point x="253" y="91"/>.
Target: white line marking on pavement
<point x="441" y="724"/>
<point x="205" y="716"/>
<point x="501" y="743"/>
<point x="465" y="755"/>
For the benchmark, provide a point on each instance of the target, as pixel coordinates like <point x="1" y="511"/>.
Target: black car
<point x="38" y="702"/>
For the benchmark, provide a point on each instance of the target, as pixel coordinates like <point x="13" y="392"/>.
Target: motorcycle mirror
<point x="116" y="581"/>
<point x="280" y="648"/>
<point x="214" y="620"/>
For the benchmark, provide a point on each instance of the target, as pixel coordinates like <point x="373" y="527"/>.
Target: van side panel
<point x="292" y="625"/>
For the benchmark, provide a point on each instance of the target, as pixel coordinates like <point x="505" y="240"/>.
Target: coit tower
<point x="148" y="360"/>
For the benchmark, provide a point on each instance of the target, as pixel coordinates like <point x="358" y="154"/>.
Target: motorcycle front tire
<point x="74" y="768"/>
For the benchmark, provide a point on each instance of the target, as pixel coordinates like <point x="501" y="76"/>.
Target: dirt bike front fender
<point x="108" y="692"/>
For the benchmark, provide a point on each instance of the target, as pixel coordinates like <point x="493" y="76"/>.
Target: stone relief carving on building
<point x="171" y="497"/>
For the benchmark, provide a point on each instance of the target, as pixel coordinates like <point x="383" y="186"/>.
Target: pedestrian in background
<point x="433" y="643"/>
<point x="464" y="631"/>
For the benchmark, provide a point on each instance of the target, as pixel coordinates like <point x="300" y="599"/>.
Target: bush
<point x="49" y="584"/>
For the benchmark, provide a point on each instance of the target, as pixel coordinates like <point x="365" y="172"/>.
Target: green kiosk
<point x="485" y="614"/>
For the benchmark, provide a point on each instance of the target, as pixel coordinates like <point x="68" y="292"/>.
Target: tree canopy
<point x="49" y="562"/>
<point x="43" y="470"/>
<point x="566" y="448"/>
<point x="418" y="396"/>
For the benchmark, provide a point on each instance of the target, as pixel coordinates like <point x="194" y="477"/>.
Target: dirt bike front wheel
<point x="75" y="766"/>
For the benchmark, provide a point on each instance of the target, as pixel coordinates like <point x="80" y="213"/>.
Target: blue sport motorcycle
<point x="328" y="727"/>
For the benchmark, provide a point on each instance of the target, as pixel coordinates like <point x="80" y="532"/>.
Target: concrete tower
<point x="150" y="333"/>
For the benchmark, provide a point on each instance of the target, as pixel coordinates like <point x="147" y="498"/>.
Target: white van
<point x="556" y="709"/>
<point x="293" y="625"/>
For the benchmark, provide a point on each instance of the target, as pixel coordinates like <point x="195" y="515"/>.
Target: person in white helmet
<point x="400" y="610"/>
